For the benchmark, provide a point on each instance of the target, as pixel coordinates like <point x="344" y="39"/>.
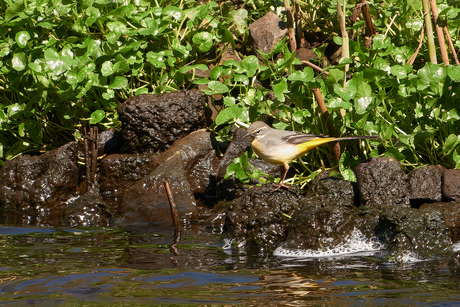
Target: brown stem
<point x="451" y="45"/>
<point x="298" y="24"/>
<point x="330" y="126"/>
<point x="94" y="149"/>
<point x="172" y="204"/>
<point x="175" y="216"/>
<point x="290" y="24"/>
<point x="315" y="67"/>
<point x="441" y="40"/>
<point x="420" y="43"/>
<point x="87" y="161"/>
<point x="368" y="18"/>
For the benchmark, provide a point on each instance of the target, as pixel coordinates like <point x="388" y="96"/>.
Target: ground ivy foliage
<point x="68" y="64"/>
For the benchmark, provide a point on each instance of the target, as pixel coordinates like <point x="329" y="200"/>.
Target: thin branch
<point x="451" y="45"/>
<point x="315" y="67"/>
<point x="330" y="126"/>
<point x="290" y="24"/>
<point x="420" y="43"/>
<point x="345" y="42"/>
<point x="439" y="33"/>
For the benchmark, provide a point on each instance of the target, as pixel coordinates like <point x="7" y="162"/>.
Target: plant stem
<point x="290" y="24"/>
<point x="345" y="43"/>
<point x="441" y="40"/>
<point x="451" y="45"/>
<point x="429" y="32"/>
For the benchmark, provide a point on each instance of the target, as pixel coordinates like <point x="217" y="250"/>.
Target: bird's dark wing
<point x="296" y="137"/>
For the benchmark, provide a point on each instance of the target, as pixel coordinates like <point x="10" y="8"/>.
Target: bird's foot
<point x="280" y="185"/>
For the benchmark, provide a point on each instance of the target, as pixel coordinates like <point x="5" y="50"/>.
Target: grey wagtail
<point x="282" y="146"/>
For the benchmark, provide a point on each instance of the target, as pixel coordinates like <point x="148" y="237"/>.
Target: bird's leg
<point x="281" y="184"/>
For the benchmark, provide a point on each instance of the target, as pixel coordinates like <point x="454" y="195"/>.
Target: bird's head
<point x="257" y="129"/>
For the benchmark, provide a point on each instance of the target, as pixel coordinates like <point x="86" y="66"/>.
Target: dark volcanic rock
<point x="257" y="216"/>
<point x="108" y="142"/>
<point x="451" y="184"/>
<point x="119" y="171"/>
<point x="451" y="212"/>
<point x="413" y="232"/>
<point x="382" y="183"/>
<point x="40" y="183"/>
<point x="425" y="184"/>
<point x="152" y="123"/>
<point x="267" y="31"/>
<point x="327" y="217"/>
<point x="147" y="201"/>
<point x="87" y="210"/>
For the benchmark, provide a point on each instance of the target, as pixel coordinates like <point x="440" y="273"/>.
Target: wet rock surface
<point x="451" y="184"/>
<point x="151" y="123"/>
<point x="425" y="185"/>
<point x="382" y="183"/>
<point x="451" y="213"/>
<point x="325" y="217"/>
<point x="415" y="233"/>
<point x="147" y="200"/>
<point x="39" y="183"/>
<point x="258" y="216"/>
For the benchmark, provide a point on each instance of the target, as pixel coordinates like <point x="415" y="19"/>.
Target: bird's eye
<point x="258" y="131"/>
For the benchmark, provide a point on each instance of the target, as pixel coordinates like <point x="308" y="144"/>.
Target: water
<point x="142" y="267"/>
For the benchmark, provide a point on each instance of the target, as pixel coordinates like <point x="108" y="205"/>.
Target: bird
<point x="283" y="146"/>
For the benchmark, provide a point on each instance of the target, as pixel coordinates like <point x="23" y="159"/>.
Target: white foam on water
<point x="456" y="247"/>
<point x="355" y="243"/>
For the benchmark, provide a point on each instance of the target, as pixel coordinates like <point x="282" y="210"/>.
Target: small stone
<point x="267" y="31"/>
<point x="151" y="123"/>
<point x="382" y="183"/>
<point x="425" y="184"/>
<point x="451" y="184"/>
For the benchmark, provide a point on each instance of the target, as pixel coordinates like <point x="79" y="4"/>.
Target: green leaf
<point x="19" y="61"/>
<point x="279" y="88"/>
<point x="306" y="75"/>
<point x="215" y="87"/>
<point x="240" y="16"/>
<point x="172" y="12"/>
<point x="228" y="114"/>
<point x="338" y="103"/>
<point x="93" y="14"/>
<point x="204" y="41"/>
<point x="363" y="98"/>
<point x="451" y="142"/>
<point x="156" y="59"/>
<point x="186" y="69"/>
<point x="335" y="75"/>
<point x="96" y="117"/>
<point x="248" y="65"/>
<point x="338" y="40"/>
<point x="107" y="69"/>
<point x="119" y="83"/>
<point x="22" y="38"/>
<point x="453" y="71"/>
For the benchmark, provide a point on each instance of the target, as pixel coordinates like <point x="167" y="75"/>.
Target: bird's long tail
<point x="309" y="145"/>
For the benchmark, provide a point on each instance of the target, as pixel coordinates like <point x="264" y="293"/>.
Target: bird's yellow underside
<point x="288" y="152"/>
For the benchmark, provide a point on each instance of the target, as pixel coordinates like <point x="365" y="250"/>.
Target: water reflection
<point x="103" y="266"/>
